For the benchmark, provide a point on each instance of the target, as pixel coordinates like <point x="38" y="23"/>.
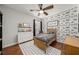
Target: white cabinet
<point x="24" y="36"/>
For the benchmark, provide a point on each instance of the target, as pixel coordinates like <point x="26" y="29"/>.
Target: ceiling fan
<point x="42" y="10"/>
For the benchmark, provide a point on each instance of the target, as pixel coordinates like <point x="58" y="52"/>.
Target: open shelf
<point x="24" y="27"/>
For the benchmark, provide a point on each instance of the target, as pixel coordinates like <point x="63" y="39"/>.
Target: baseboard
<point x="8" y="45"/>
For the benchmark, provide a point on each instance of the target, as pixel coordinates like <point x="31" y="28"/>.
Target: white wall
<point x="11" y="18"/>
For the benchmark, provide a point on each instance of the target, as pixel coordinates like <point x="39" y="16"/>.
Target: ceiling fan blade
<point x="49" y="7"/>
<point x="40" y="6"/>
<point x="34" y="10"/>
<point x="45" y="13"/>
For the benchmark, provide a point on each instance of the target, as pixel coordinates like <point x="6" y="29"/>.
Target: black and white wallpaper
<point x="67" y="23"/>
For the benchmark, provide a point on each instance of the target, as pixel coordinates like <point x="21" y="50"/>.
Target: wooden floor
<point x="65" y="49"/>
<point x="13" y="50"/>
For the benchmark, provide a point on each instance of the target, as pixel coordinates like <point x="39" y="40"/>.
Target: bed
<point x="42" y="40"/>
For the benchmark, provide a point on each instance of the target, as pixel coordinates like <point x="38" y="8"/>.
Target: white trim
<point x="10" y="45"/>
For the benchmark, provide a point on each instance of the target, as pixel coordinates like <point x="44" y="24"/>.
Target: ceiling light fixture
<point x="41" y="11"/>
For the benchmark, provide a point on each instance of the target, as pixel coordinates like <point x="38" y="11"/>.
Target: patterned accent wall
<point x="67" y="23"/>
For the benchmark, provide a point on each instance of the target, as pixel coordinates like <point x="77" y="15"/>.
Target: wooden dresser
<point x="72" y="45"/>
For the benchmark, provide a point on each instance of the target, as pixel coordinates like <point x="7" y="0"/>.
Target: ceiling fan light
<point x="41" y="11"/>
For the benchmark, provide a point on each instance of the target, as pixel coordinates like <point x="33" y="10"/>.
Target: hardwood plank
<point x="13" y="50"/>
<point x="66" y="49"/>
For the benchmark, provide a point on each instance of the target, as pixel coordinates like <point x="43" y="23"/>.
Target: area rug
<point x="29" y="48"/>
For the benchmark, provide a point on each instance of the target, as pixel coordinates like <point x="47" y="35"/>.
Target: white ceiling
<point x="25" y="8"/>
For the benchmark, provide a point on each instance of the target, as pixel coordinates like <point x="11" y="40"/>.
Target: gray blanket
<point x="45" y="37"/>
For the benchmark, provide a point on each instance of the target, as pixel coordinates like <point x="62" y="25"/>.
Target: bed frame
<point x="42" y="44"/>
